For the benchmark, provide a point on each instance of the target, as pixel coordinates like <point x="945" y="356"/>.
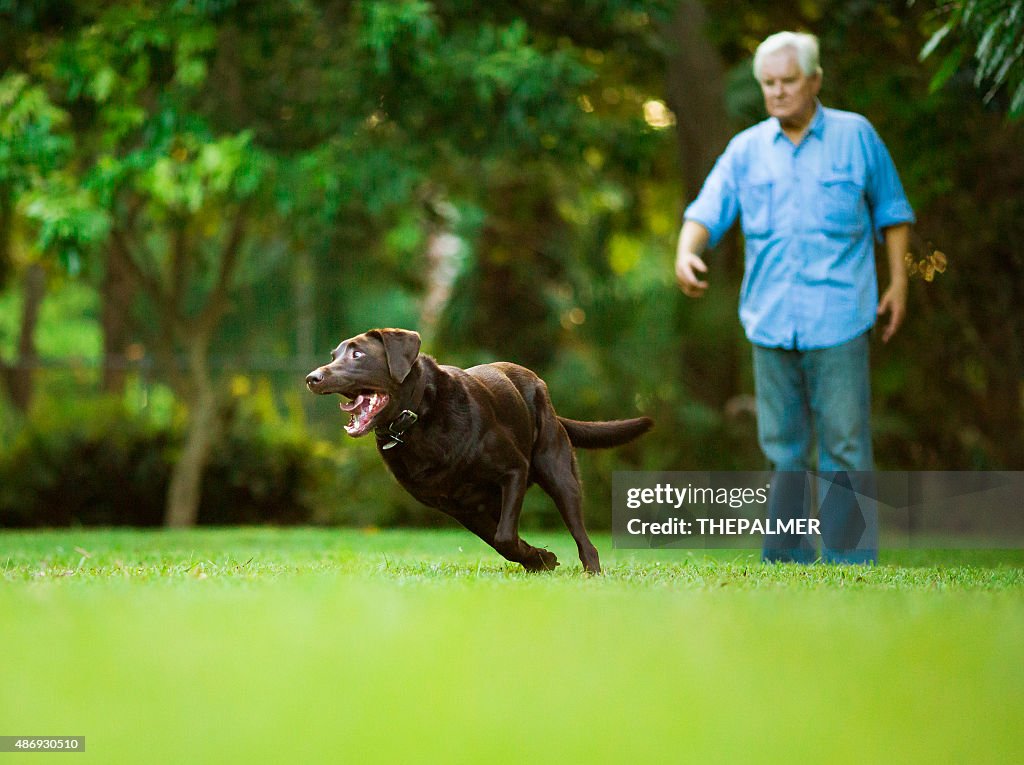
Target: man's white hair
<point x="804" y="45"/>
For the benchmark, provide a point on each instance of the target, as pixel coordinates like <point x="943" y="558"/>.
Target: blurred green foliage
<point x="993" y="31"/>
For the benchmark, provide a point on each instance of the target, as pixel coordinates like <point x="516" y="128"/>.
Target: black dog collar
<point x="396" y="429"/>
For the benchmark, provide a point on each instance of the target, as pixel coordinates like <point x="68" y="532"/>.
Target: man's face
<point x="789" y="94"/>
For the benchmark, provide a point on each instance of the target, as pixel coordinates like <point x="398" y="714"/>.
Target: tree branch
<point x="169" y="323"/>
<point x="216" y="302"/>
<point x="179" y="260"/>
<point x="145" y="281"/>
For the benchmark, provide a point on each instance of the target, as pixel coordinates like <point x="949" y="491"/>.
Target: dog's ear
<point x="401" y="347"/>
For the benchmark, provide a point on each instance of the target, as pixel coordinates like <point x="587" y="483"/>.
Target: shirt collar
<point x="817" y="127"/>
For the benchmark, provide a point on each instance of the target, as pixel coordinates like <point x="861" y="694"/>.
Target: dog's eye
<point x="357" y="354"/>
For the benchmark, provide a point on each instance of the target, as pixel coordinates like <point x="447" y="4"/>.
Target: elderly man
<point x="813" y="187"/>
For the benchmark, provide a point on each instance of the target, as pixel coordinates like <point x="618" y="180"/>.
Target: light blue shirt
<point x="808" y="214"/>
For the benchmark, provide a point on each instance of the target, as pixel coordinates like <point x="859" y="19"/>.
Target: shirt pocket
<point x="842" y="206"/>
<point x="756" y="207"/>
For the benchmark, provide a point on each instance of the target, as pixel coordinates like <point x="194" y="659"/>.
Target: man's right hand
<point x="688" y="265"/>
<point x="693" y="239"/>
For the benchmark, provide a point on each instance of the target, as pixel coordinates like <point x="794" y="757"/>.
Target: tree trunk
<point x="118" y="292"/>
<point x="185" y="489"/>
<point x="695" y="82"/>
<point x="442" y="255"/>
<point x="192" y="330"/>
<point x="20" y="376"/>
<point x="6" y="235"/>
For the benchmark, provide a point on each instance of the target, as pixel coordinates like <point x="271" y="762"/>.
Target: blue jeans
<point x="822" y="399"/>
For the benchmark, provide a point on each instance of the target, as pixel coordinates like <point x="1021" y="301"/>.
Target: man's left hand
<point x="894" y="303"/>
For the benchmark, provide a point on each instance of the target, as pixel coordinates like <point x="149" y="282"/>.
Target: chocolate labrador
<point x="468" y="442"/>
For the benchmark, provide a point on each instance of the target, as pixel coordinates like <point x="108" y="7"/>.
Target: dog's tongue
<point x="362" y="410"/>
<point x="353" y="404"/>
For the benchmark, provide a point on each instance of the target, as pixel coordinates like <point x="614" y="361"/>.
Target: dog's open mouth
<point x="363" y="408"/>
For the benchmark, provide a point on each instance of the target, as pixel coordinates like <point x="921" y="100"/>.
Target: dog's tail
<point x="601" y="435"/>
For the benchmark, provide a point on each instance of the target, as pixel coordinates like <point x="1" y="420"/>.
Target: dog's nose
<point x="314" y="378"/>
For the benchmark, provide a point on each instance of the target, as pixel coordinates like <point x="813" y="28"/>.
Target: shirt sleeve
<point x="717" y="205"/>
<point x="889" y="203"/>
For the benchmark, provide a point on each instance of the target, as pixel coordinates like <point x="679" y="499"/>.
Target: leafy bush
<point x="97" y="466"/>
<point x="104" y="466"/>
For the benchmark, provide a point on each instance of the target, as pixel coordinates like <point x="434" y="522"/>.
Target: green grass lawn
<point x="319" y="646"/>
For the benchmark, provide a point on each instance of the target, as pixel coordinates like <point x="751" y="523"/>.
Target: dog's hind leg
<point x="506" y="537"/>
<point x="555" y="471"/>
<point x="484" y="523"/>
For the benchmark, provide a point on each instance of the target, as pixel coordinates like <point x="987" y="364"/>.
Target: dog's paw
<point x="548" y="560"/>
<point x="541" y="560"/>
